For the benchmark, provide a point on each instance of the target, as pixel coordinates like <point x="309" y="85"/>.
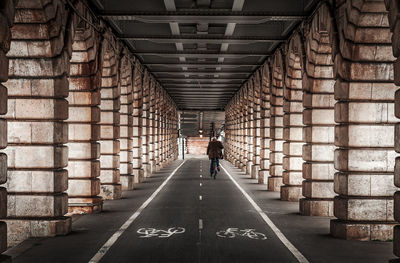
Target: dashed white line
<point x="201" y="175"/>
<point x="200" y="224"/>
<point x="267" y="220"/>
<point x="110" y="242"/>
<point x="201" y="184"/>
<point x="200" y="197"/>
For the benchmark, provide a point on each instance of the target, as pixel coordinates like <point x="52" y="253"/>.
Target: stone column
<point x="110" y="120"/>
<point x="249" y="127"/>
<point x="318" y="117"/>
<point x="265" y="124"/>
<point x="145" y="125"/>
<point x="393" y="8"/>
<point x="243" y="127"/>
<point x="293" y="121"/>
<point x="126" y="124"/>
<point x="83" y="118"/>
<point x="37" y="131"/>
<point x="157" y="95"/>
<point x="256" y="126"/>
<point x="365" y="116"/>
<point x="6" y="21"/>
<point x="276" y="143"/>
<point x="138" y="172"/>
<point x="151" y="127"/>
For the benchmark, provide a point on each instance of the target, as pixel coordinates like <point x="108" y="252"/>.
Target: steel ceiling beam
<point x="224" y="73"/>
<point x="201" y="39"/>
<point x="200" y="65"/>
<point x="198" y="54"/>
<point x="200" y="16"/>
<point x="199" y="79"/>
<point x="202" y="86"/>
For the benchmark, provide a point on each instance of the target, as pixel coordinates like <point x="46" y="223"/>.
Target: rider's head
<point x="214" y="139"/>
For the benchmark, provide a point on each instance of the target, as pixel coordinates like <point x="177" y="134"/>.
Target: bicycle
<point x="214" y="168"/>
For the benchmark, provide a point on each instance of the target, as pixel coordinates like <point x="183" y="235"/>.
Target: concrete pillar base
<point x="146" y="170"/>
<point x="315" y="207"/>
<point x="249" y="166"/>
<point x="78" y="205"/>
<point x="20" y="229"/>
<point x="291" y="193"/>
<point x="127" y="182"/>
<point x="263" y="176"/>
<point x="254" y="171"/>
<point x="138" y="175"/>
<point x="363" y="231"/>
<point x="111" y="191"/>
<point x="274" y="184"/>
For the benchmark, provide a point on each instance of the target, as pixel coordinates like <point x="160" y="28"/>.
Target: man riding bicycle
<point x="214" y="152"/>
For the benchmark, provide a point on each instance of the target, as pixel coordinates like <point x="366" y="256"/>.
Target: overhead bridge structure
<point x="107" y="108"/>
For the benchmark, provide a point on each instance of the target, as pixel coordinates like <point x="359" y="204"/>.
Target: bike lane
<point x="181" y="224"/>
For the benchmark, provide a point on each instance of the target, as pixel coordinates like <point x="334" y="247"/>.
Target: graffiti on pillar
<point x="160" y="233"/>
<point x="235" y="232"/>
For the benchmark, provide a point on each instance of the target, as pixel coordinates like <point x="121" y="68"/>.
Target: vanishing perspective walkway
<point x="189" y="217"/>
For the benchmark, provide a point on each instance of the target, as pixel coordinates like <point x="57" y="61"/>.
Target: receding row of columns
<point x="327" y="119"/>
<point x="82" y="119"/>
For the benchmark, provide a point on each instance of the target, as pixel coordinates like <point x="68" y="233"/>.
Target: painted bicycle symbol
<point x="152" y="232"/>
<point x="235" y="232"/>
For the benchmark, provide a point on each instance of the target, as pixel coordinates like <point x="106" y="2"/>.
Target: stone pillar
<point x="293" y="121"/>
<point x="256" y="125"/>
<point x="393" y="8"/>
<point x="318" y="117"/>
<point x="265" y="124"/>
<point x="276" y="143"/>
<point x="138" y="172"/>
<point x="145" y="125"/>
<point x="156" y="128"/>
<point x="37" y="131"/>
<point x="83" y="119"/>
<point x="365" y="116"/>
<point x="228" y="134"/>
<point x="249" y="127"/>
<point x="6" y="21"/>
<point x="126" y="124"/>
<point x="243" y="128"/>
<point x="110" y="120"/>
<point x="151" y="126"/>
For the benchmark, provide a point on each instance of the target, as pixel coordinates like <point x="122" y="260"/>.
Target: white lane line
<point x="200" y="197"/>
<point x="110" y="242"/>
<point x="201" y="184"/>
<point x="200" y="224"/>
<point x="267" y="220"/>
<point x="201" y="175"/>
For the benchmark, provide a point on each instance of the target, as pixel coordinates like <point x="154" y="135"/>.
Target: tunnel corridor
<point x="107" y="108"/>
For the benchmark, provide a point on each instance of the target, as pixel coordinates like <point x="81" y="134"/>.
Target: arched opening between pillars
<point x="110" y="119"/>
<point x="293" y="120"/>
<point x="37" y="110"/>
<point x="318" y="116"/>
<point x="84" y="116"/>
<point x="276" y="143"/>
<point x="364" y="88"/>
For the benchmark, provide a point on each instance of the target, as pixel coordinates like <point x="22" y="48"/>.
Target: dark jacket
<point x="214" y="149"/>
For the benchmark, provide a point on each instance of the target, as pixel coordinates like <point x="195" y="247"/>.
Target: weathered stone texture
<point x="138" y="172"/>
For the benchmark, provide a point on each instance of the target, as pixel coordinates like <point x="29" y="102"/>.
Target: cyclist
<point x="214" y="152"/>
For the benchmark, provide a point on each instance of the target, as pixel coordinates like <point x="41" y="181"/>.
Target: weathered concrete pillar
<point x="83" y="118"/>
<point x="393" y="7"/>
<point x="318" y="117"/>
<point x="249" y="126"/>
<point x="293" y="121"/>
<point x="110" y="120"/>
<point x="365" y="116"/>
<point x="138" y="172"/>
<point x="6" y="21"/>
<point x="157" y="94"/>
<point x="256" y="125"/>
<point x="276" y="143"/>
<point x="237" y="121"/>
<point x="243" y="128"/>
<point x="126" y="123"/>
<point x="228" y="146"/>
<point x="37" y="131"/>
<point x="145" y="125"/>
<point x="265" y="124"/>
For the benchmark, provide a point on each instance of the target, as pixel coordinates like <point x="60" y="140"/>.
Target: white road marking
<point x="200" y="197"/>
<point x="201" y="184"/>
<point x="267" y="220"/>
<point x="201" y="176"/>
<point x="110" y="242"/>
<point x="200" y="224"/>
